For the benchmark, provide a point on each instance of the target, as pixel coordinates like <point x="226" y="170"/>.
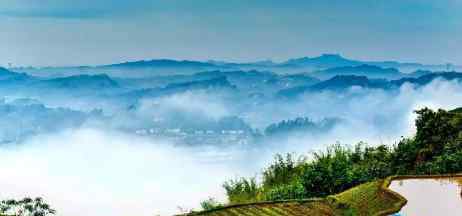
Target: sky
<point x="91" y="32"/>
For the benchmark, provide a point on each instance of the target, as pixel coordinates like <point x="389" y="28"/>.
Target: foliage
<point x="284" y="170"/>
<point x="26" y="207"/>
<point x="210" y="204"/>
<point x="241" y="190"/>
<point x="293" y="190"/>
<point x="435" y="149"/>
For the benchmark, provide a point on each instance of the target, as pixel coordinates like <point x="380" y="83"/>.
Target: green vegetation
<point x="372" y="198"/>
<point x="26" y="207"/>
<point x="435" y="149"/>
<point x="367" y="199"/>
<point x="315" y="207"/>
<point x="211" y="204"/>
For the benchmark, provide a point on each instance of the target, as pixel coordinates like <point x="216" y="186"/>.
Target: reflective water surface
<point x="430" y="197"/>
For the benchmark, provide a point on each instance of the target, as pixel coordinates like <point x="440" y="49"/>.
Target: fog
<point x="91" y="172"/>
<point x="101" y="170"/>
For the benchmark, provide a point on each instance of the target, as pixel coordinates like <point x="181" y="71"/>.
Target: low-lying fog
<point x="112" y="164"/>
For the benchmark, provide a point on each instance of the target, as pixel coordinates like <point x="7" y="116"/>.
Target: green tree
<point x="210" y="204"/>
<point x="26" y="207"/>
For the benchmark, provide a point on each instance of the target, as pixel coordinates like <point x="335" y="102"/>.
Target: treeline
<point x="435" y="149"/>
<point x="305" y="125"/>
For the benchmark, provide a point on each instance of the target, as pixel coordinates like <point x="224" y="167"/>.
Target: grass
<point x="373" y="198"/>
<point x="315" y="207"/>
<point x="368" y="199"/>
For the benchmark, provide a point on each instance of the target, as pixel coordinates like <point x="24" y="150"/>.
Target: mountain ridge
<point x="172" y="66"/>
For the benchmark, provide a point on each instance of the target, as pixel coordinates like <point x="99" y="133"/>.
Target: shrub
<point x="210" y="204"/>
<point x="241" y="190"/>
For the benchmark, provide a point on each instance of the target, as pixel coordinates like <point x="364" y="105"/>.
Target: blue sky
<point x="77" y="32"/>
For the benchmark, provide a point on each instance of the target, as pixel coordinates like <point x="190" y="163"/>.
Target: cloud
<point x="100" y="173"/>
<point x="191" y="103"/>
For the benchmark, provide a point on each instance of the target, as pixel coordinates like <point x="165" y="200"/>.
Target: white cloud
<point x="91" y="172"/>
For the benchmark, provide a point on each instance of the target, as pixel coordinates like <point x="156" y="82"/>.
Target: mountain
<point x="327" y="61"/>
<point x="293" y="80"/>
<point x="343" y="82"/>
<point x="7" y="76"/>
<point x="337" y="83"/>
<point x="370" y="71"/>
<point x="260" y="81"/>
<point x="133" y="69"/>
<point x="220" y="83"/>
<point x="346" y="81"/>
<point x="248" y="81"/>
<point x="165" y="63"/>
<point x="323" y="61"/>
<point x="72" y="82"/>
<point x="418" y="73"/>
<point x="425" y="79"/>
<point x="26" y="117"/>
<point x="87" y="82"/>
<point x="163" y="67"/>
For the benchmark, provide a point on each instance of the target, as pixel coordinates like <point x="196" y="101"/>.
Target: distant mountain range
<point x="158" y="67"/>
<point x="371" y="71"/>
<point x="344" y="82"/>
<point x="166" y="63"/>
<point x="93" y="82"/>
<point x="24" y="117"/>
<point x="254" y="84"/>
<point x="334" y="60"/>
<point x="220" y="83"/>
<point x="97" y="82"/>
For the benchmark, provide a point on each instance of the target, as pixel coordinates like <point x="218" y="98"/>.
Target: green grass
<point x="315" y="207"/>
<point x="373" y="198"/>
<point x="368" y="199"/>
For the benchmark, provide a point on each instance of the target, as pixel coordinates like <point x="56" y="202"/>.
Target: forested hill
<point x="436" y="148"/>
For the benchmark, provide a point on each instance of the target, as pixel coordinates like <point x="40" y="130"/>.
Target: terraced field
<point x="365" y="200"/>
<point x="373" y="198"/>
<point x="284" y="208"/>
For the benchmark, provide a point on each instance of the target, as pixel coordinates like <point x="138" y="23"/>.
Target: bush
<point x="282" y="171"/>
<point x="211" y="204"/>
<point x="241" y="190"/>
<point x="294" y="190"/>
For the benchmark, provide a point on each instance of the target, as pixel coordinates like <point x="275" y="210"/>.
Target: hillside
<point x="100" y="81"/>
<point x="344" y="82"/>
<point x="368" y="199"/>
<point x="8" y="77"/>
<point x="337" y="83"/>
<point x="370" y="71"/>
<point x="219" y="83"/>
<point x="353" y="173"/>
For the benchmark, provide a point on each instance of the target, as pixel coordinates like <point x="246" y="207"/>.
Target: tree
<point x="26" y="207"/>
<point x="210" y="204"/>
<point x="241" y="190"/>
